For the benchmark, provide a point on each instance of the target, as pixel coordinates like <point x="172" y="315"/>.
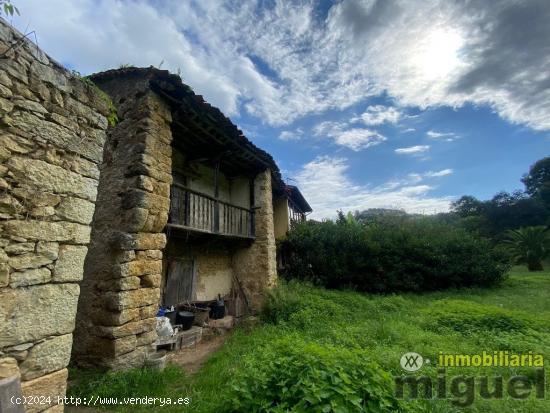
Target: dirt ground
<point x="191" y="359"/>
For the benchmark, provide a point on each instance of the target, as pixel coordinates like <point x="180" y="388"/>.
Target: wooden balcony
<point x="194" y="211"/>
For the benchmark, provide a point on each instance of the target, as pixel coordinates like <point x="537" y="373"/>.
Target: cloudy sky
<point x="363" y="103"/>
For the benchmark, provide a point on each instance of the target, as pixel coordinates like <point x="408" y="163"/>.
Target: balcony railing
<point x="195" y="211"/>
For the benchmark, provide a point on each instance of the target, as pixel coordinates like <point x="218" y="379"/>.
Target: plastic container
<point x="156" y="361"/>
<point x="185" y="319"/>
<point x="171" y="316"/>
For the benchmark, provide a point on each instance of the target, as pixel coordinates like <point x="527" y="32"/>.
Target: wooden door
<point x="180" y="281"/>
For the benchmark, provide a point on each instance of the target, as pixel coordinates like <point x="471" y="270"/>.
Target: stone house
<point x="100" y="223"/>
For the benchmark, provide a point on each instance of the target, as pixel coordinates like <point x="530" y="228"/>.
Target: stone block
<point x="4" y="274"/>
<point x="51" y="385"/>
<point x="131" y="328"/>
<point x="151" y="280"/>
<point x="28" y="260"/>
<point x="48" y="249"/>
<point x="226" y="323"/>
<point x="145" y="339"/>
<point x="76" y="210"/>
<point x="48" y="231"/>
<point x="10" y="205"/>
<point x="119" y="284"/>
<point x="149" y="255"/>
<point x="136" y="198"/>
<point x="30" y="277"/>
<point x="30" y="314"/>
<point x="35" y="198"/>
<point x="138" y="241"/>
<point x="84" y="167"/>
<point x="131" y="299"/>
<point x="51" y="355"/>
<point x="8" y="367"/>
<point x="70" y="264"/>
<point x="133" y="359"/>
<point x="140" y="267"/>
<point x="52" y="178"/>
<point x="116" y="318"/>
<point x="148" y="311"/>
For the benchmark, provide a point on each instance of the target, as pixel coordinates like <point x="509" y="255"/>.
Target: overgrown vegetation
<point x="508" y="211"/>
<point x="112" y="116"/>
<point x="391" y="254"/>
<point x="317" y="337"/>
<point x="529" y="246"/>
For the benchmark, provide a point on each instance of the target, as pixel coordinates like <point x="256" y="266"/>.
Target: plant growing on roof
<point x="8" y="8"/>
<point x="112" y="117"/>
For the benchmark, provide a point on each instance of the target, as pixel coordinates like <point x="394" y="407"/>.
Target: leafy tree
<point x="467" y="205"/>
<point x="529" y="245"/>
<point x="537" y="181"/>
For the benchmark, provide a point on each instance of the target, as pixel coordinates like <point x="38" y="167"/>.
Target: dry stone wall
<point x="52" y="132"/>
<point x="120" y="291"/>
<point x="256" y="265"/>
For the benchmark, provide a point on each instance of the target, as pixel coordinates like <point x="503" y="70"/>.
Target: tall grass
<point x="514" y="316"/>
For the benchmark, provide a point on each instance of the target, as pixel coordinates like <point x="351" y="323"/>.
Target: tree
<point x="529" y="245"/>
<point x="467" y="205"/>
<point x="537" y="181"/>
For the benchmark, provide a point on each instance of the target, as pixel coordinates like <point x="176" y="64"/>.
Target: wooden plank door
<point x="180" y="281"/>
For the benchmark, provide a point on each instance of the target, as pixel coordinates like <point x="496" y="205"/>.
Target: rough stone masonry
<point x="52" y="131"/>
<point x="83" y="208"/>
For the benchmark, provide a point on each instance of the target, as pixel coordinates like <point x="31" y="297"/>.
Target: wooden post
<point x="252" y="208"/>
<point x="216" y="195"/>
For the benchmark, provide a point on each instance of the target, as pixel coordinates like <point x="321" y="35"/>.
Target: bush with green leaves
<point x="529" y="245"/>
<point x="466" y="317"/>
<point x="292" y="375"/>
<point x="391" y="255"/>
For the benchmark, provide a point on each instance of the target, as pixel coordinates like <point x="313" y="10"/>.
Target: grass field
<point x="514" y="316"/>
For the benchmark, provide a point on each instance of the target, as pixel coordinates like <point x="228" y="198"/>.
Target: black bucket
<point x="171" y="316"/>
<point x="217" y="311"/>
<point x="185" y="319"/>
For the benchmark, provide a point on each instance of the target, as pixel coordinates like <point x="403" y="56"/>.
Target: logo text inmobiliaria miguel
<point x="461" y="389"/>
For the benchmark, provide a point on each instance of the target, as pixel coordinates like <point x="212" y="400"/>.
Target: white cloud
<point x="447" y="136"/>
<point x="437" y="174"/>
<point x="353" y="138"/>
<point x="357" y="139"/>
<point x="413" y="150"/>
<point x="289" y="135"/>
<point x="379" y="114"/>
<point x="327" y="187"/>
<point x="414" y="178"/>
<point x="466" y="52"/>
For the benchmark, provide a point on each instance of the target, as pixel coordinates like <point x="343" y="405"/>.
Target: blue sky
<point x="362" y="103"/>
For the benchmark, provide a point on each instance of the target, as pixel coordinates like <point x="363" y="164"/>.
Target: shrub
<point x="530" y="245"/>
<point x="391" y="255"/>
<point x="294" y="301"/>
<point x="467" y="316"/>
<point x="295" y="376"/>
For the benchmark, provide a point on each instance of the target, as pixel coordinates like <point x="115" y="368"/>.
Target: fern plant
<point x="530" y="245"/>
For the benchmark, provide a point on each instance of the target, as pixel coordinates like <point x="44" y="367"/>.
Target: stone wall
<point x="52" y="131"/>
<point x="120" y="291"/>
<point x="256" y="265"/>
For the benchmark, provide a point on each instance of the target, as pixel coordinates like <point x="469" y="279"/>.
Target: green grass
<point x="514" y="316"/>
